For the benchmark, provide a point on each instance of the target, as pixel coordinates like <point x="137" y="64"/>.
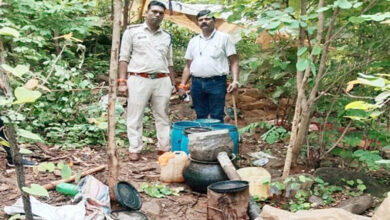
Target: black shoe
<point x="26" y="163"/>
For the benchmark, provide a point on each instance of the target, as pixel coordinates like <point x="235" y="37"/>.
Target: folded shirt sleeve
<point x="126" y="47"/>
<point x="230" y="47"/>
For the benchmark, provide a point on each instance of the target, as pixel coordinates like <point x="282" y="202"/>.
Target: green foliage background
<point x="72" y="71"/>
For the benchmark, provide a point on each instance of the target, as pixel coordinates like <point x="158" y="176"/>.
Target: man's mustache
<point x="203" y="25"/>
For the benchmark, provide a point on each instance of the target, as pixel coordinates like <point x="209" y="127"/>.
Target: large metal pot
<point x="199" y="175"/>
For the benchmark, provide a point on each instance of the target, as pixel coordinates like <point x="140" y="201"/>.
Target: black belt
<point x="211" y="77"/>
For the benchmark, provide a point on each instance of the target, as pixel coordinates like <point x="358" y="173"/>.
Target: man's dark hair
<point x="203" y="13"/>
<point x="156" y="3"/>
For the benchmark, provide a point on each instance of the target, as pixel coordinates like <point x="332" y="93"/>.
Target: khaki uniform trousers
<point x="140" y="91"/>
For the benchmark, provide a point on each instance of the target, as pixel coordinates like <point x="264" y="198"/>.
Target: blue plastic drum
<point x="207" y="122"/>
<point x="233" y="132"/>
<point x="177" y="133"/>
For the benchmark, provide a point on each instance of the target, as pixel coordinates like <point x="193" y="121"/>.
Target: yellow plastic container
<point x="259" y="181"/>
<point x="172" y="165"/>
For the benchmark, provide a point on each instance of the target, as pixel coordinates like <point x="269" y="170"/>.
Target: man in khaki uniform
<point x="146" y="73"/>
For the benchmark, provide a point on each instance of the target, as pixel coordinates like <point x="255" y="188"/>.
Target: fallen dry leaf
<point x="31" y="84"/>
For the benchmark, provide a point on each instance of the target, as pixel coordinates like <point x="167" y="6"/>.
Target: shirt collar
<point x="150" y="30"/>
<point x="211" y="35"/>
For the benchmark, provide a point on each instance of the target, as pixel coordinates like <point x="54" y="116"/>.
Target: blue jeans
<point x="208" y="96"/>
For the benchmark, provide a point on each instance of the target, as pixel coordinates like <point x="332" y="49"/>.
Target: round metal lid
<point x="229" y="186"/>
<point x="127" y="195"/>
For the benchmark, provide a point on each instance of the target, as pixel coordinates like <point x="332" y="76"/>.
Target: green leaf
<point x="78" y="177"/>
<point x="273" y="25"/>
<point x="66" y="172"/>
<point x="350" y="182"/>
<point x="382" y="161"/>
<point x="359" y="181"/>
<point x="301" y="51"/>
<point x="36" y="190"/>
<point x="24" y="95"/>
<point x="361" y="187"/>
<point x="265" y="180"/>
<point x="272" y="137"/>
<point x="28" y="134"/>
<point x="14" y="217"/>
<point x="303" y="24"/>
<point x="317" y="50"/>
<point x="357" y="4"/>
<point x="153" y="192"/>
<point x="45" y="166"/>
<point x="319" y="180"/>
<point x="18" y="71"/>
<point x="382" y="97"/>
<point x="356" y="20"/>
<point x="143" y="186"/>
<point x="4" y="142"/>
<point x="377" y="16"/>
<point x="280" y="186"/>
<point x="177" y="190"/>
<point x="376" y="82"/>
<point x="303" y="178"/>
<point x="60" y="165"/>
<point x="323" y="9"/>
<point x="9" y="32"/>
<point x="376" y="114"/>
<point x="302" y="64"/>
<point x="343" y="4"/>
<point x="362" y="105"/>
<point x="25" y="151"/>
<point x="166" y="191"/>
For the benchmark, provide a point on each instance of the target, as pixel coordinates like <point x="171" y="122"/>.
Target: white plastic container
<point x="172" y="165"/>
<point x="259" y="181"/>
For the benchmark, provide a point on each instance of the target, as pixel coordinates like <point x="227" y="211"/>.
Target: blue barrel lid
<point x="208" y="121"/>
<point x="185" y="123"/>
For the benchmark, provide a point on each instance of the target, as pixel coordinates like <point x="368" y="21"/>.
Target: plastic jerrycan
<point x="172" y="165"/>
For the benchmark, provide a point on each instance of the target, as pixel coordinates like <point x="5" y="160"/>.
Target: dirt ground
<point x="189" y="205"/>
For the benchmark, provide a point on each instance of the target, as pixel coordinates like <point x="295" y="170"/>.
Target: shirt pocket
<point x="163" y="49"/>
<point x="216" y="51"/>
<point x="140" y="44"/>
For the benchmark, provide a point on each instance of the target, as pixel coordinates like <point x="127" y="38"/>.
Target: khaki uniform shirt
<point x="145" y="51"/>
<point x="209" y="56"/>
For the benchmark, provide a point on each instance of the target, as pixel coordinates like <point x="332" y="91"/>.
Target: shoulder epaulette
<point x="133" y="26"/>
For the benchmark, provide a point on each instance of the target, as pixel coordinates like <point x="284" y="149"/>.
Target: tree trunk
<point x="113" y="165"/>
<point x="227" y="206"/>
<point x="305" y="102"/>
<point x="10" y="131"/>
<point x="126" y="14"/>
<point x="300" y="139"/>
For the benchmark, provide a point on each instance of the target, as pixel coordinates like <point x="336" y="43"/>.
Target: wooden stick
<point x="234" y="109"/>
<point x="45" y="149"/>
<point x="228" y="166"/>
<point x="52" y="185"/>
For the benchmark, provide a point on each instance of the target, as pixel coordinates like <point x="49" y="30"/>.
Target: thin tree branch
<point x="323" y="58"/>
<point x="53" y="65"/>
<point x="338" y="141"/>
<point x="369" y="6"/>
<point x="359" y="97"/>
